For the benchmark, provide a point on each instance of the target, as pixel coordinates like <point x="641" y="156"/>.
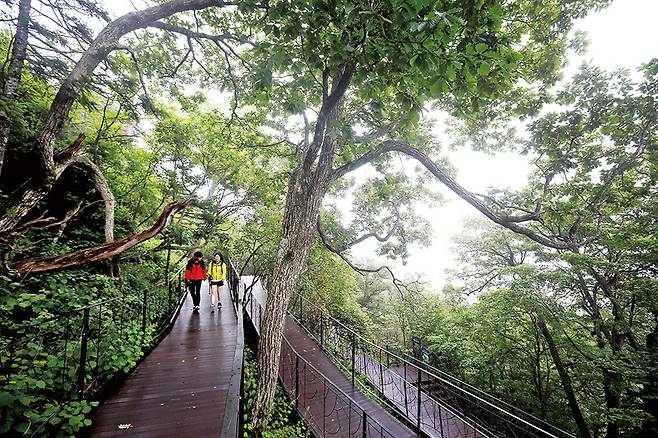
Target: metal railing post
<point x="418" y="404"/>
<point x="144" y="298"/>
<point x="297" y="379"/>
<point x="406" y="402"/>
<point x="324" y="407"/>
<point x="381" y="371"/>
<point x="168" y="296"/>
<point x="441" y="421"/>
<point x="66" y="349"/>
<point x="321" y="330"/>
<point x="178" y="287"/>
<point x="353" y="356"/>
<point x="301" y="311"/>
<point x="84" y="339"/>
<point x="364" y="426"/>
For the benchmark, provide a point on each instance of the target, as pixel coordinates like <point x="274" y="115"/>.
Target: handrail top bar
<point x="485" y="394"/>
<point x="69" y="313"/>
<point x="88" y="306"/>
<point x="487" y="402"/>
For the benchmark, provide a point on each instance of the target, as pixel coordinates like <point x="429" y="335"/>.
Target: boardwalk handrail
<point x="485" y="395"/>
<point x="233" y="410"/>
<point x="76" y="341"/>
<point x="296" y="377"/>
<point x="476" y="401"/>
<point x="82" y="308"/>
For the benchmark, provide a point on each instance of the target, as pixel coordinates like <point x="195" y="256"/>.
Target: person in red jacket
<point x="195" y="273"/>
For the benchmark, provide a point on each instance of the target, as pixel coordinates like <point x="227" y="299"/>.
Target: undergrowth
<point x="283" y="421"/>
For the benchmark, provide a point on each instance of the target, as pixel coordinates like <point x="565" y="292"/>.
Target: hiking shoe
<point x="219" y="305"/>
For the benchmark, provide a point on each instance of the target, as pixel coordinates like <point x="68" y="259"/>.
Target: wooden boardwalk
<point x="437" y="420"/>
<point x="332" y="408"/>
<point x="180" y="389"/>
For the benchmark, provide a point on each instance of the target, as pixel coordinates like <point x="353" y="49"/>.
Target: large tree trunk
<point x="301" y="214"/>
<point x="306" y="189"/>
<point x="14" y="71"/>
<point x="577" y="414"/>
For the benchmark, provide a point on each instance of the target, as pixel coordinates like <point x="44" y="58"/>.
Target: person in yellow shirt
<point x="217" y="277"/>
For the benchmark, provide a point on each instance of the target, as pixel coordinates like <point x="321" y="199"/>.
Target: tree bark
<point x="96" y="253"/>
<point x="301" y="212"/>
<point x="577" y="414"/>
<point x="103" y="188"/>
<point x="32" y="195"/>
<point x="307" y="186"/>
<point x="14" y="71"/>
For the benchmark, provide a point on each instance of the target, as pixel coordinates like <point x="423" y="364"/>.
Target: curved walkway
<point x="180" y="388"/>
<point x="332" y="408"/>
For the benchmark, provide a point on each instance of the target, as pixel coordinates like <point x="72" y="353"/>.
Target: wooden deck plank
<point x="181" y="386"/>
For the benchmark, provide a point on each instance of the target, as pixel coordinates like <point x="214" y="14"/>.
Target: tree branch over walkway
<point x="71" y="87"/>
<point x="100" y="252"/>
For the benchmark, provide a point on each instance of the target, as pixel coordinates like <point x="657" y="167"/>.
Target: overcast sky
<point x="622" y="36"/>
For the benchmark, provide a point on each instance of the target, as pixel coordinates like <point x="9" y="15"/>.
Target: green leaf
<point x="483" y="69"/>
<point x="436" y="88"/>
<point x="451" y="74"/>
<point x="6" y="399"/>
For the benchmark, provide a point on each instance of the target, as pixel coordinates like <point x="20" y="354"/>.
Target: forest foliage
<point x="253" y="117"/>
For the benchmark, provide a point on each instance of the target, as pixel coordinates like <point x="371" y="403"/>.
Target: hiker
<point x="217" y="277"/>
<point x="195" y="273"/>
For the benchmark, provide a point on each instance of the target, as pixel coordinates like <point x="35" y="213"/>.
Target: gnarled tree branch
<point x="399" y="284"/>
<point x="104" y="190"/>
<point x="509" y="222"/>
<point x="106" y="41"/>
<point x="200" y="35"/>
<point x="96" y="253"/>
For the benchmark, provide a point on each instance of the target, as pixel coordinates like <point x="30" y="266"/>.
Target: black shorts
<point x="217" y="282"/>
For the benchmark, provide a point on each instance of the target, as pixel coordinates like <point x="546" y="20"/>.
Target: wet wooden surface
<point x="180" y="389"/>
